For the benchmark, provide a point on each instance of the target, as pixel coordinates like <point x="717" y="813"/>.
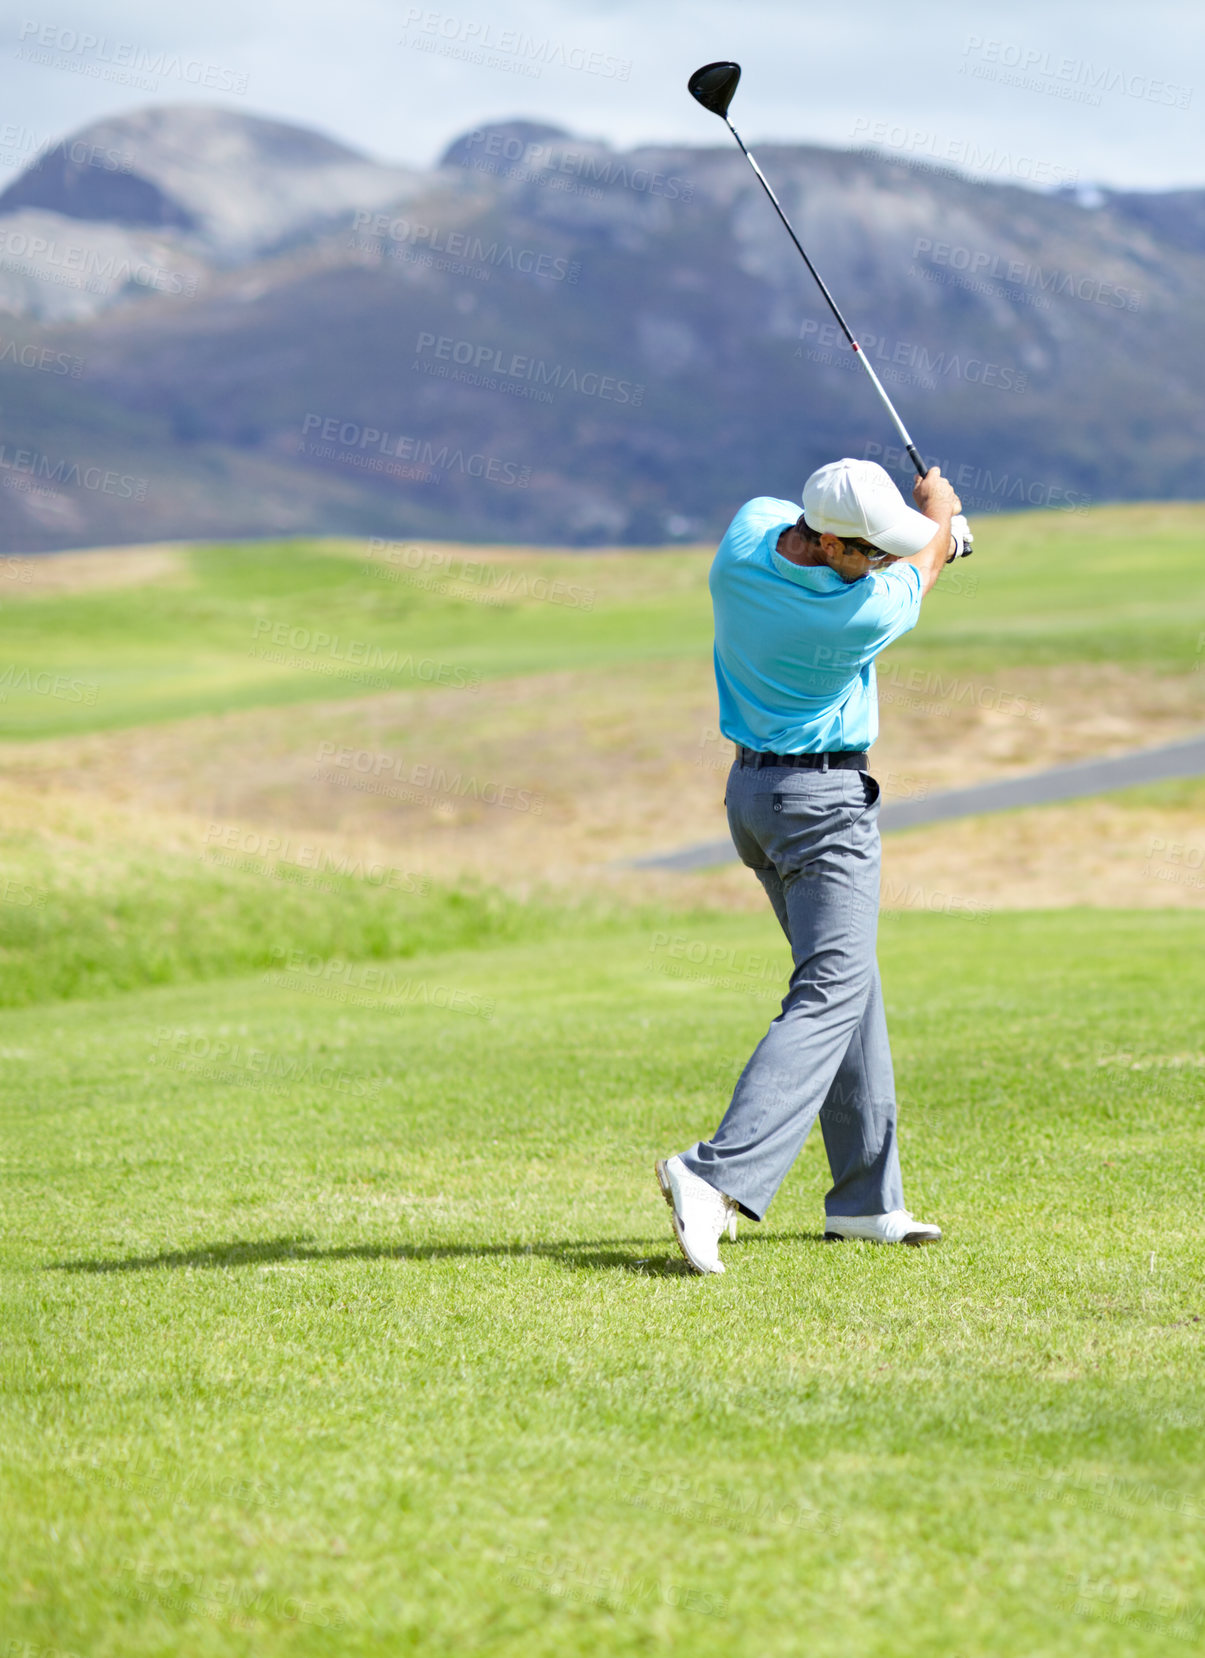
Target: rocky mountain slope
<point x="212" y="324"/>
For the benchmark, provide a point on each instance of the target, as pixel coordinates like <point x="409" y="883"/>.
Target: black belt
<point x="842" y="759"/>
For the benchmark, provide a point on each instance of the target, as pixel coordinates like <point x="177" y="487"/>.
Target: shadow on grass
<point x="603" y="1254"/>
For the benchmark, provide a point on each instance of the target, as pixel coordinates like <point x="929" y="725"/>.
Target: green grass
<point x="353" y="1325"/>
<point x="97" y="921"/>
<point x="340" y="1312"/>
<point x="275" y="623"/>
<point x="1117" y="584"/>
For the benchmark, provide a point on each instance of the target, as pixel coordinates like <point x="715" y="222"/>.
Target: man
<point x="803" y="605"/>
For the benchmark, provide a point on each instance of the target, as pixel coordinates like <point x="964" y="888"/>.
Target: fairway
<point x="375" y="697"/>
<point x="259" y="624"/>
<point x="342" y="1313"/>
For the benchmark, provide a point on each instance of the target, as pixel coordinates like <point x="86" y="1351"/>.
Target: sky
<point x="1095" y="91"/>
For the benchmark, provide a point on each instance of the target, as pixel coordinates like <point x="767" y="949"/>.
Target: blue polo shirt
<point x="795" y="646"/>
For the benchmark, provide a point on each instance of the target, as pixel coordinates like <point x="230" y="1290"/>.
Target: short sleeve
<point x="890" y="606"/>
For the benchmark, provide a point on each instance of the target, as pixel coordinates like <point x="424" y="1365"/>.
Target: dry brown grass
<point x="24" y="575"/>
<point x="595" y="767"/>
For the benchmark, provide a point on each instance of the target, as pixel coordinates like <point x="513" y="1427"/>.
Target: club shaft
<point x="907" y="442"/>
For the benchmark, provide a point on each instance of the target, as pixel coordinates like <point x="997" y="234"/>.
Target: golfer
<point x="803" y="605"/>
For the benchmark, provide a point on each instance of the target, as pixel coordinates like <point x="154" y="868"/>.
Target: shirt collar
<point x="818" y="577"/>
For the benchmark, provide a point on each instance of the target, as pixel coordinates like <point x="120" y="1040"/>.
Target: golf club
<point x="713" y="86"/>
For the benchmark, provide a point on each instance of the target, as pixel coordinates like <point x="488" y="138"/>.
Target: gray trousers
<point x="812" y="839"/>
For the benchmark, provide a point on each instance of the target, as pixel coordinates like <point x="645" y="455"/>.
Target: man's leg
<point x="821" y="837"/>
<point x="858" y="1121"/>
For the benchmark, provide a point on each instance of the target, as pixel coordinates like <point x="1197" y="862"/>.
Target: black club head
<point x="713" y="86"/>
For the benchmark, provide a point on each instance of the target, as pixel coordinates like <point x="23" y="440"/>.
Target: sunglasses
<point x="854" y="544"/>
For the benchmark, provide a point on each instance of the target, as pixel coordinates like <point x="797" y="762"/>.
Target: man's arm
<point x="935" y="497"/>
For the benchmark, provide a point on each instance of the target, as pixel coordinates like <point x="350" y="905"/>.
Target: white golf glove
<point x="960" y="534"/>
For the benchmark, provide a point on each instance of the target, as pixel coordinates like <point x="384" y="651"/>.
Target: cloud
<point x="1069" y="85"/>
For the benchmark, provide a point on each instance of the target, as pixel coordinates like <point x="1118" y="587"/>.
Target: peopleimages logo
<point x="442" y="572"/>
<point x="266" y="853"/>
<point x="1078" y="79"/>
<point x="476" y="38"/>
<point x="23" y="464"/>
<point x="43" y="358"/>
<point x="461" y="248"/>
<point x="932" y="151"/>
<point x="22" y="140"/>
<point x="922" y="367"/>
<point x="361" y="984"/>
<point x="109" y="58"/>
<point x="485" y="362"/>
<point x="300" y="646"/>
<point x="534" y="163"/>
<point x="978" y="262"/>
<point x="46" y="684"/>
<point x="420" y="775"/>
<point x="76" y="265"/>
<point x="226" y="1061"/>
<point x="983" y="489"/>
<point x="370" y="448"/>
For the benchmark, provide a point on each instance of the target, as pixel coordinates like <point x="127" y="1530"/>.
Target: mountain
<point x="254" y="330"/>
<point x="232" y="186"/>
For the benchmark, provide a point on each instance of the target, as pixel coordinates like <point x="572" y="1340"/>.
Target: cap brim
<point x="907" y="536"/>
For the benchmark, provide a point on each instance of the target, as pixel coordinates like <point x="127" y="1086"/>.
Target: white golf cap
<point x="858" y="499"/>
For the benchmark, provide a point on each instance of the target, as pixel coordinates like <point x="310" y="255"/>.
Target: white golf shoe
<point x="897" y="1226"/>
<point x="701" y="1213"/>
<point x="734" y="1208"/>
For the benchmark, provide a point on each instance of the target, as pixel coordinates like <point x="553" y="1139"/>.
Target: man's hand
<point x="936" y="498"/>
<point x="934" y="495"/>
<point x="962" y="541"/>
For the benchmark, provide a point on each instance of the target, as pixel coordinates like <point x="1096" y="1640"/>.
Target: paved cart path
<point x="1039" y="788"/>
